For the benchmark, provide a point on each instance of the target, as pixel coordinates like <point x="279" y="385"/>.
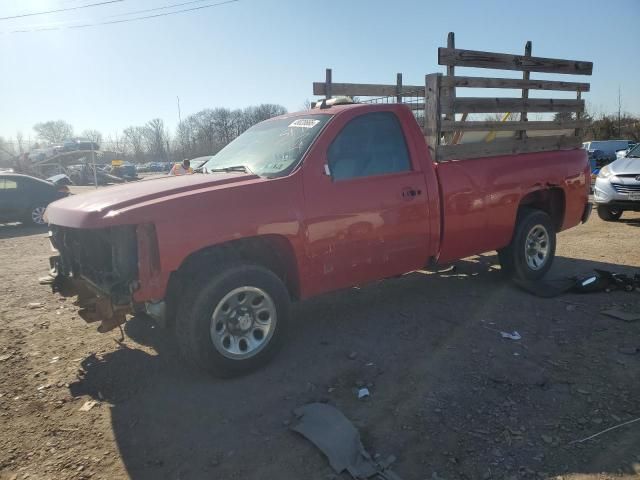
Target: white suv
<point x="617" y="187"/>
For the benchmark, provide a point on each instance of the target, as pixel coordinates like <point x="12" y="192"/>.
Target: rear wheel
<point x="609" y="214"/>
<point x="530" y="254"/>
<point x="235" y="321"/>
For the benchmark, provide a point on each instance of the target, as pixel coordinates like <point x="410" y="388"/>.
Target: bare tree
<point x="117" y="143"/>
<point x="53" y="131"/>
<point x="93" y="135"/>
<point x="134" y="139"/>
<point x="156" y="138"/>
<point x="20" y="141"/>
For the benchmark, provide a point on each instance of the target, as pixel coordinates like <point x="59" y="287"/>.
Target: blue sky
<point x="270" y="51"/>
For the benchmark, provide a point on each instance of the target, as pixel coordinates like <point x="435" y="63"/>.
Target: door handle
<point x="410" y="193"/>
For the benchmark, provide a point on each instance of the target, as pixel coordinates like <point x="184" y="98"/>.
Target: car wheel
<point x="36" y="215"/>
<point x="532" y="250"/>
<point x="235" y="321"/>
<point x="609" y="214"/>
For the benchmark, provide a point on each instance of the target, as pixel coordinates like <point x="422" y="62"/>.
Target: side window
<point x="6" y="184"/>
<point x="371" y="144"/>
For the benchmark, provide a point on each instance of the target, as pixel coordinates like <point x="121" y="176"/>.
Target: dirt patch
<point x="449" y="397"/>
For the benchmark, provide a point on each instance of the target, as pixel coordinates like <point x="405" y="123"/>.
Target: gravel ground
<point x="450" y="398"/>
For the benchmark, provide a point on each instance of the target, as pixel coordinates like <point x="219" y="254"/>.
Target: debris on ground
<point x="34" y="305"/>
<point x="353" y="355"/>
<point x="625" y="315"/>
<point x="512" y="336"/>
<point x="329" y="430"/>
<point x="599" y="281"/>
<point x="88" y="405"/>
<point x="606" y="430"/>
<point x="363" y="393"/>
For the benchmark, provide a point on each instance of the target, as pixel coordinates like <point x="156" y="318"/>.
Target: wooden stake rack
<point x="436" y="104"/>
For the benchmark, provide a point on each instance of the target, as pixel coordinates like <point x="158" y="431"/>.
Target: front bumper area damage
<point x="98" y="266"/>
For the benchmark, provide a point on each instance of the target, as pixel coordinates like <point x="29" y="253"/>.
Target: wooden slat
<point x="432" y="114"/>
<point x="506" y="147"/>
<point x="503" y="61"/>
<point x="525" y="91"/>
<point x="481" y="126"/>
<point x="367" y="90"/>
<point x="513" y="83"/>
<point x="451" y="91"/>
<point x="497" y="105"/>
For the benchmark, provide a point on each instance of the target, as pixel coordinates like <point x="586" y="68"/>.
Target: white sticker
<point x="304" y="123"/>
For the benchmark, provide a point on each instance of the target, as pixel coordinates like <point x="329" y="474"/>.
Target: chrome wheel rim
<point x="536" y="247"/>
<point x="243" y="322"/>
<point x="37" y="215"/>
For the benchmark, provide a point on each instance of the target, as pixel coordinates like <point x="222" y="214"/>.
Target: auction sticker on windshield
<point x="304" y="123"/>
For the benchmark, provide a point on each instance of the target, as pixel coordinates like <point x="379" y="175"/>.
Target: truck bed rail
<point x="444" y="116"/>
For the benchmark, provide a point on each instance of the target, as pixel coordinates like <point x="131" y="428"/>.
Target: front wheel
<point x="36" y="215"/>
<point x="609" y="214"/>
<point x="235" y="321"/>
<point x="530" y="254"/>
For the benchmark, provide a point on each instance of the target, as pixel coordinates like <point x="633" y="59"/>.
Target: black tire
<point x="609" y="214"/>
<point x="513" y="258"/>
<point x="194" y="319"/>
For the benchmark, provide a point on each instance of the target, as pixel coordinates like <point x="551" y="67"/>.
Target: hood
<point x="625" y="166"/>
<point x="132" y="203"/>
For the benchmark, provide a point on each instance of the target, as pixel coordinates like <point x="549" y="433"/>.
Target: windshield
<point x="272" y="148"/>
<point x="634" y="152"/>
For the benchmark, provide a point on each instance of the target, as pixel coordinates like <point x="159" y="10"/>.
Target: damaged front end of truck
<point x="100" y="266"/>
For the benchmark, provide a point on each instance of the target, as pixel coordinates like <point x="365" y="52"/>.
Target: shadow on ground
<point x="15" y="230"/>
<point x="448" y="394"/>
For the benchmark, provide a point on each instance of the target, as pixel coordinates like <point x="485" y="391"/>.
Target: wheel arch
<point x="550" y="200"/>
<point x="272" y="251"/>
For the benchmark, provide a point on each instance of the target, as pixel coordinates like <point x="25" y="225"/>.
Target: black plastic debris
<point x="598" y="281"/>
<point x="329" y="430"/>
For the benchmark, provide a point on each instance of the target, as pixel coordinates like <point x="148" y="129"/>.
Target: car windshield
<point x="271" y="148"/>
<point x="634" y="152"/>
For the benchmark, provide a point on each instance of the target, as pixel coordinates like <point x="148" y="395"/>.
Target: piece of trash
<point x="43" y="387"/>
<point x="329" y="430"/>
<point x="88" y="405"/>
<point x="513" y="336"/>
<point x="605" y="431"/>
<point x="353" y="355"/>
<point x="627" y="316"/>
<point x="54" y="359"/>
<point x="363" y="393"/>
<point x="5" y="357"/>
<point x="34" y="305"/>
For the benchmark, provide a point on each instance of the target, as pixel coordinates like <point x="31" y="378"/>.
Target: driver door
<point x="365" y="204"/>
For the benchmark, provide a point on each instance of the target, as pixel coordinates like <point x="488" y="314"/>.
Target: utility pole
<point x="179" y="116"/>
<point x="619" y="108"/>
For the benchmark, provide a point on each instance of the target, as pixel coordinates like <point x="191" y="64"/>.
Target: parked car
<point x="608" y="148"/>
<point x="24" y="198"/>
<point x="300" y="205"/>
<point x="127" y="171"/>
<point x="617" y="187"/>
<point x="73" y="144"/>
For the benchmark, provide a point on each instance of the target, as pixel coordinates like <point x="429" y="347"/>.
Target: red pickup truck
<point x="300" y="205"/>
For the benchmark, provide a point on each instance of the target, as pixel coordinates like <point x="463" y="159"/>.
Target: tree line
<point x="209" y="130"/>
<point x="203" y="133"/>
